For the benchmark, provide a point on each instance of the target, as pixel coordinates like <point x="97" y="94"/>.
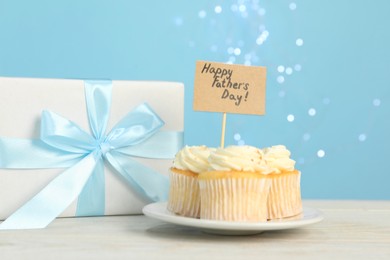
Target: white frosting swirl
<point x="278" y="158"/>
<point x="238" y="158"/>
<point x="193" y="158"/>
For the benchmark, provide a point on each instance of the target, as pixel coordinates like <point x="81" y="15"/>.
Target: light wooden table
<point x="350" y="230"/>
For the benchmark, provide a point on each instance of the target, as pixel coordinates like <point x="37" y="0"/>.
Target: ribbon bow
<point x="64" y="144"/>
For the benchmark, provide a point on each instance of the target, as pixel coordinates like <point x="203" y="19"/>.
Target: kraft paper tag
<point x="221" y="87"/>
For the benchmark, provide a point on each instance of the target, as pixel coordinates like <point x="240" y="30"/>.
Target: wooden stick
<point x="223" y="130"/>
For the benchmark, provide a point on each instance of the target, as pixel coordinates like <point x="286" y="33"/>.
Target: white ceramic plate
<point x="159" y="211"/>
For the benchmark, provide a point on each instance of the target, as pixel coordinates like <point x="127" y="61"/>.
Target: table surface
<point x="350" y="230"/>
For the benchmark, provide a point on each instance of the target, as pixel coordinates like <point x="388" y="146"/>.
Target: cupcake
<point x="284" y="199"/>
<point x="184" y="198"/>
<point x="236" y="187"/>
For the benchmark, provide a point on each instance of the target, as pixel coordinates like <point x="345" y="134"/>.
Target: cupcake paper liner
<point x="184" y="198"/>
<point x="284" y="198"/>
<point x="234" y="199"/>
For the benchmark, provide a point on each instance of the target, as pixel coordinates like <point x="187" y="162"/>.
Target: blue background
<point x="328" y="72"/>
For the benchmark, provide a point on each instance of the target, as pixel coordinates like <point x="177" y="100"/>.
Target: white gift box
<point x="22" y="101"/>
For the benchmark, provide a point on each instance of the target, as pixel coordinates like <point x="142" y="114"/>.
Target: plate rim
<point x="311" y="216"/>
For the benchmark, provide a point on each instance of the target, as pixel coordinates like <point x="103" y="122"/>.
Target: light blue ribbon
<point x="63" y="144"/>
